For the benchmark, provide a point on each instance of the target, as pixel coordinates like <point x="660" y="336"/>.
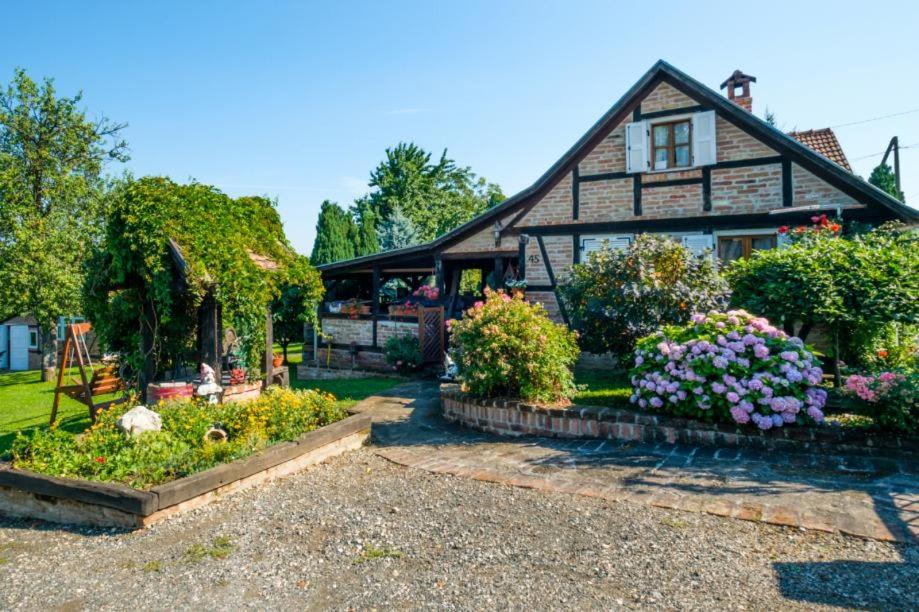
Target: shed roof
<point x="26" y="320"/>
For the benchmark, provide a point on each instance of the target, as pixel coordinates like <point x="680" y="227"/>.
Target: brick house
<point x="672" y="156"/>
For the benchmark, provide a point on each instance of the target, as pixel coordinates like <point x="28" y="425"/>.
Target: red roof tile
<point x="823" y="142"/>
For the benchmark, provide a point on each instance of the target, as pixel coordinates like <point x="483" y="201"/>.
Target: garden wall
<point x="515" y="418"/>
<point x="65" y="500"/>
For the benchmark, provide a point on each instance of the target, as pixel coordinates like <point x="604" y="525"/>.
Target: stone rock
<point x="139" y="419"/>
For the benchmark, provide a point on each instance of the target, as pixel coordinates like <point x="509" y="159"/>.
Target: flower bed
<point x="729" y="367"/>
<point x="105" y="453"/>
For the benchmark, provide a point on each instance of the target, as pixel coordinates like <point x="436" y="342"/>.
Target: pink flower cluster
<point x="729" y="366"/>
<point x="427" y="292"/>
<point x="872" y="388"/>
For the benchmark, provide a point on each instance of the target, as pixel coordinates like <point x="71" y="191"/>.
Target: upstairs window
<point x="671" y="144"/>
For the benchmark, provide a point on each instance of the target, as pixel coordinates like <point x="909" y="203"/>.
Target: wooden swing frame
<point x="100" y="382"/>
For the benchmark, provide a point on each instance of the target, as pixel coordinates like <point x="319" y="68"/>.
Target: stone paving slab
<point x="826" y="493"/>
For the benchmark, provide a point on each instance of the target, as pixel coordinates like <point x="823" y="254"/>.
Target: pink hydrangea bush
<point x="729" y="367"/>
<point x="890" y="398"/>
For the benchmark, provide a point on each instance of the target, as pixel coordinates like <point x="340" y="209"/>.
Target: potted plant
<point x="278" y="360"/>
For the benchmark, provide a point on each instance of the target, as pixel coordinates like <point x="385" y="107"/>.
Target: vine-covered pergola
<point x="179" y="264"/>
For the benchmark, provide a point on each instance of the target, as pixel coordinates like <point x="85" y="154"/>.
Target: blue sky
<point x="299" y="100"/>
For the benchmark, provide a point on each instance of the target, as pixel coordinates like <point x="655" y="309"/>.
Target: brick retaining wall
<point x="509" y="417"/>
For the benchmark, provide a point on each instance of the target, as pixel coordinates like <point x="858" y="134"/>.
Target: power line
<point x="915" y="110"/>
<point x="912" y="146"/>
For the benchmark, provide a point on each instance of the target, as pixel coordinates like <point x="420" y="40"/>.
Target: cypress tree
<point x="335" y="235"/>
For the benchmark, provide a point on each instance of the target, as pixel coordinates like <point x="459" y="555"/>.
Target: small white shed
<point x="20" y="347"/>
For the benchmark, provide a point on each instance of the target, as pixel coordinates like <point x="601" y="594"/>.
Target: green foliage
<point x="891" y="399"/>
<point x="296" y="303"/>
<point x="104" y="453"/>
<point x="731" y="368"/>
<point x="857" y="285"/>
<point x="397" y="232"/>
<point x="134" y="282"/>
<point x="366" y="242"/>
<point x="335" y="235"/>
<point x="437" y="197"/>
<point x="51" y="186"/>
<point x="620" y="295"/>
<point x="509" y="347"/>
<point x="884" y="179"/>
<point x="403" y="353"/>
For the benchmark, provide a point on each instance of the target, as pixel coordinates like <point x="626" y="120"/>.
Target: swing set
<point x="101" y="381"/>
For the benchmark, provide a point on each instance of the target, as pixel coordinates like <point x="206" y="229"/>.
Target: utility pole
<point x="895" y="147"/>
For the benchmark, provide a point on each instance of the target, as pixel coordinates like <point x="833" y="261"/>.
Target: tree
<point x="397" y="232"/>
<point x="51" y="199"/>
<point x="366" y="242"/>
<point x="294" y="306"/>
<point x="335" y="235"/>
<point x="437" y="197"/>
<point x="621" y="295"/>
<point x="883" y="178"/>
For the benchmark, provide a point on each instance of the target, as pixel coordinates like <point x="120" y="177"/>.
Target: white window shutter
<point x="699" y="243"/>
<point x="636" y="147"/>
<point x="590" y="245"/>
<point x="703" y="139"/>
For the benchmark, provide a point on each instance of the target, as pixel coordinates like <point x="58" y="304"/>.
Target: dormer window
<point x="671" y="144"/>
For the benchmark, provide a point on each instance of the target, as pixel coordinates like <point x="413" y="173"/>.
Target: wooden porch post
<point x="269" y="346"/>
<point x="499" y="273"/>
<point x="209" y="333"/>
<point x="375" y="302"/>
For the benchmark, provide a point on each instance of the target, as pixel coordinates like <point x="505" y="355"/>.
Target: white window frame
<point x="33" y="334"/>
<point x="650" y="123"/>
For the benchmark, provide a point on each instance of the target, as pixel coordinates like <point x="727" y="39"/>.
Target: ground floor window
<point x="737" y="247"/>
<point x="33" y="338"/>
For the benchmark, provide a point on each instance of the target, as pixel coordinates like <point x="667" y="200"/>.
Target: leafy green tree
<point x="620" y="295"/>
<point x="296" y="302"/>
<point x="857" y="286"/>
<point x="436" y="196"/>
<point x="398" y="232"/>
<point x="335" y="235"/>
<point x="883" y="178"/>
<point x="51" y="199"/>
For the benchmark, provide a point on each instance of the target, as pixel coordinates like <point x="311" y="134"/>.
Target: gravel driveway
<point x="360" y="532"/>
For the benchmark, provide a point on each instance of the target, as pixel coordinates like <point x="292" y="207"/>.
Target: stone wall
<point x="515" y="418"/>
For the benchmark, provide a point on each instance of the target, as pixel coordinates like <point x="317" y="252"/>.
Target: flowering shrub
<point x="620" y="295"/>
<point x="104" y="452"/>
<point x="427" y="292"/>
<point x="890" y="398"/>
<point x="506" y="346"/>
<point x="403" y="353"/>
<point x="729" y="367"/>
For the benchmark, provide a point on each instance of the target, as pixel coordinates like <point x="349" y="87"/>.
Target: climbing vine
<point x="166" y="247"/>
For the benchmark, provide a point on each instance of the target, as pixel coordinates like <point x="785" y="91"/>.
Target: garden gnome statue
<point x="209" y="387"/>
<point x="450" y="368"/>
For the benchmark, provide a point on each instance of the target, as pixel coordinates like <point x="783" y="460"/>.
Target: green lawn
<point x="348" y="391"/>
<point x="603" y="388"/>
<point x="25" y="403"/>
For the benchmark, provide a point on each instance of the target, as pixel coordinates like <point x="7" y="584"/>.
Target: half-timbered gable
<point x="671" y="157"/>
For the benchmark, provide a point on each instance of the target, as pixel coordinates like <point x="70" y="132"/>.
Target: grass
<point x="372" y="552"/>
<point x="603" y="388"/>
<point x="25" y="401"/>
<point x="348" y="391"/>
<point x="220" y="548"/>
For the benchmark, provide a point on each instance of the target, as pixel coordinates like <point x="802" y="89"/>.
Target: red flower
<point x="100" y="459"/>
<point x="882" y="354"/>
<point x="835" y="227"/>
<point x="783" y="229"/>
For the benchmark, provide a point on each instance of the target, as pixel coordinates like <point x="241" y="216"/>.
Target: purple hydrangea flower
<point x="720" y="362"/>
<point x="740" y="415"/>
<point x="657" y="402"/>
<point x="777" y="420"/>
<point x="733" y="397"/>
<point x="761" y="351"/>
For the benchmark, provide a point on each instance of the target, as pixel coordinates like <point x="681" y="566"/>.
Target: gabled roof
<point x="660" y="72"/>
<point x="824" y="142"/>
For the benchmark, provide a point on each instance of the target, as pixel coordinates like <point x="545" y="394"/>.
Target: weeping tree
<point x="51" y="198"/>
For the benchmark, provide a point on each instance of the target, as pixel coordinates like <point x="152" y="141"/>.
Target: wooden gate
<point x="431" y="333"/>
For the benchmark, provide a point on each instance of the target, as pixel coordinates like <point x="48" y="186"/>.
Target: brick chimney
<point x="741" y="81"/>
